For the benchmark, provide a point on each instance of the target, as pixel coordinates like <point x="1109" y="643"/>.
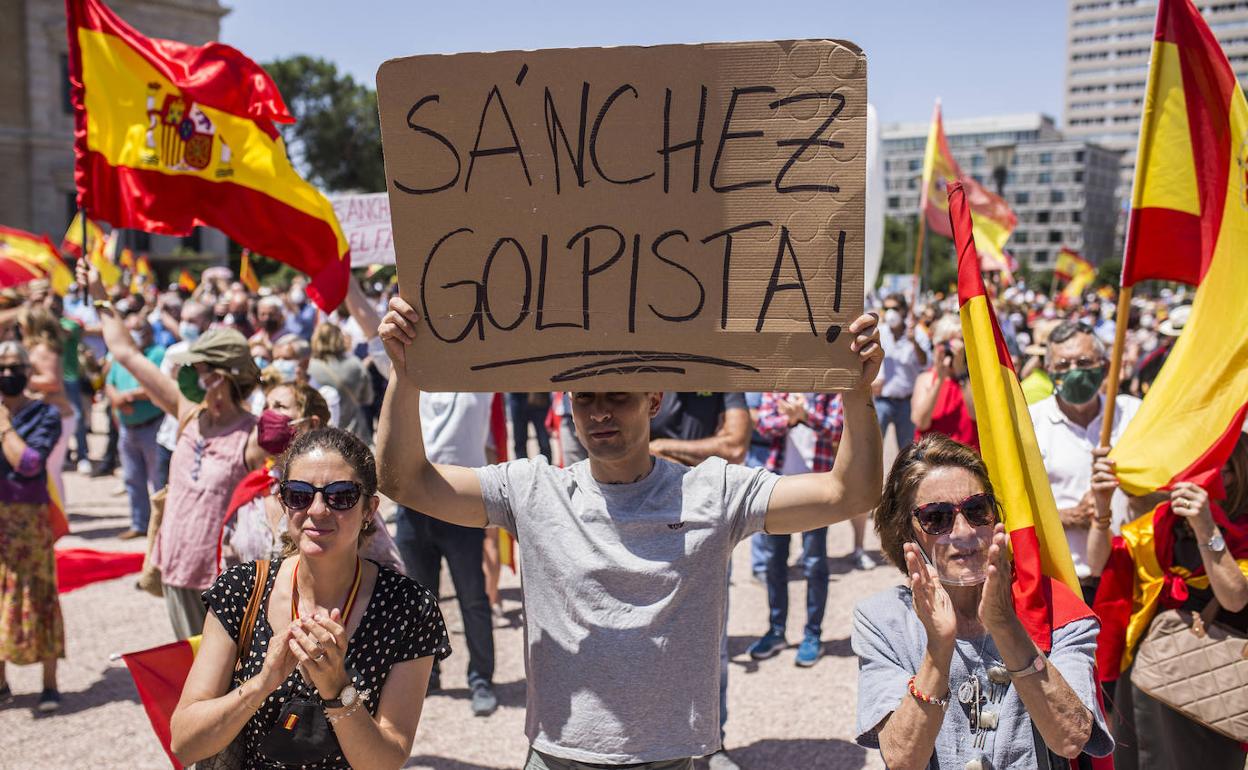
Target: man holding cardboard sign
<point x="626" y="556"/>
<point x="617" y="220"/>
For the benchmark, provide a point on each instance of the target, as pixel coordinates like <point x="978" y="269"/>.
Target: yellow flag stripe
<point x="1008" y="444"/>
<point x="1165" y="151"/>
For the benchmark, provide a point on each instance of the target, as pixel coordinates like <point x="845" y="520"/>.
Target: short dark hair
<point x="346" y="444"/>
<point x="1067" y="329"/>
<point x="892" y="518"/>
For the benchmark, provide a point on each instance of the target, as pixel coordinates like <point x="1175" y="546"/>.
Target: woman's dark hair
<point x="892" y="518"/>
<point x="347" y="445"/>
<point x="1237" y="490"/>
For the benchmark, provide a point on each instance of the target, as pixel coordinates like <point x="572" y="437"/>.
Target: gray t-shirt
<point x="624" y="599"/>
<point x="890" y="643"/>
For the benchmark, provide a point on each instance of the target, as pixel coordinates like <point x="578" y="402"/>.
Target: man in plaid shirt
<point x="780" y="415"/>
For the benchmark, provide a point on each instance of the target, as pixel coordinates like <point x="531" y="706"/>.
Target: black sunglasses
<point x="937" y="518"/>
<point x="338" y="495"/>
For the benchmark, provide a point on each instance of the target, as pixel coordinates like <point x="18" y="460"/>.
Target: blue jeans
<point x="73" y="392"/>
<point x="423" y="542"/>
<point x="895" y="411"/>
<point x="815" y="563"/>
<point x="140" y="467"/>
<point x="523" y="414"/>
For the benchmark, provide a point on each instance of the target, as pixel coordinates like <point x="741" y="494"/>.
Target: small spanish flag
<point x="72" y="243"/>
<point x="126" y="259"/>
<point x="159" y="674"/>
<point x="247" y="274"/>
<point x="290" y="721"/>
<point x="39" y="252"/>
<point x="186" y="281"/>
<point x="103" y="257"/>
<point x="143" y="267"/>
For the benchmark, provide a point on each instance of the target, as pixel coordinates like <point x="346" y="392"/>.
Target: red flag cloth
<point x="78" y="567"/>
<point x="169" y="137"/>
<point x="258" y="483"/>
<point x="159" y="675"/>
<point x="1113" y="604"/>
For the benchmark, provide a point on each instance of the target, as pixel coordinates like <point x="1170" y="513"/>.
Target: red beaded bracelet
<point x="923" y="697"/>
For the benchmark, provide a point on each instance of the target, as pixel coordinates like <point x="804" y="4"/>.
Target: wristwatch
<point x="1037" y="665"/>
<point x="345" y="700"/>
<point x="1216" y="543"/>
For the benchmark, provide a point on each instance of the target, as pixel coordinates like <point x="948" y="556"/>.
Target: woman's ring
<point x="318" y="657"/>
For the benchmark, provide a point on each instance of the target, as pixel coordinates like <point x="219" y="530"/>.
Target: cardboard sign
<point x="668" y="218"/>
<point x="365" y="221"/>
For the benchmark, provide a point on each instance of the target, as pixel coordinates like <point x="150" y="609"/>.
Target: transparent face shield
<point x="961" y="559"/>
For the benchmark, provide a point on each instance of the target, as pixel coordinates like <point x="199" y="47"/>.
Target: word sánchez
<point x="578" y="142"/>
<point x="520" y="284"/>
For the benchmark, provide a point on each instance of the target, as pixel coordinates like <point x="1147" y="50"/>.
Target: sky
<point x="980" y="57"/>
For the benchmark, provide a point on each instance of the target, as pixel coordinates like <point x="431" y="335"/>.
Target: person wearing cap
<point x="216" y="447"/>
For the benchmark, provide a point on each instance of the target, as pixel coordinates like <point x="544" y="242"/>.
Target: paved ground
<point x="781" y="717"/>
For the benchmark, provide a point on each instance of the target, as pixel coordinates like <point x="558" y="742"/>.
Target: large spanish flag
<point x="37" y="251"/>
<point x="159" y="674"/>
<point x="170" y="136"/>
<point x="1189" y="223"/>
<point x="1045" y="587"/>
<point x="991" y="216"/>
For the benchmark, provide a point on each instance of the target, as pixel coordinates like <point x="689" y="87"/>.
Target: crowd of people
<point x="255" y="435"/>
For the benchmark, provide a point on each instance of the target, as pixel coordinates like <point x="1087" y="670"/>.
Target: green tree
<point x="336" y="139"/>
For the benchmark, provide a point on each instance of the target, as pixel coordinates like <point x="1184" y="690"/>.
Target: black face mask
<point x="13" y="384"/>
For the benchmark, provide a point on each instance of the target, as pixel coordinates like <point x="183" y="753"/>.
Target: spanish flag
<point x="1046" y="591"/>
<point x="15" y="271"/>
<point x="1079" y="274"/>
<point x="143" y="267"/>
<point x="104" y="257"/>
<point x="169" y="137"/>
<point x="186" y="281"/>
<point x="991" y="216"/>
<point x="72" y="243"/>
<point x="37" y="251"/>
<point x="159" y="674"/>
<point x="246" y="273"/>
<point x="1189" y="223"/>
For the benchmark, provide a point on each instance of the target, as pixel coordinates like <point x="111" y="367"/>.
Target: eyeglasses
<point x="937" y="518"/>
<point x="1063" y="365"/>
<point x="338" y="495"/>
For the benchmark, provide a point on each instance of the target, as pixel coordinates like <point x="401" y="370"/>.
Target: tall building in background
<point x="1062" y="189"/>
<point x="37" y="121"/>
<point x="1108" y="45"/>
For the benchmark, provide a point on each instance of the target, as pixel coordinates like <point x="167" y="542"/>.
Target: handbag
<point x="233" y="756"/>
<point x="149" y="576"/>
<point x="1196" y="667"/>
<point x="302" y="735"/>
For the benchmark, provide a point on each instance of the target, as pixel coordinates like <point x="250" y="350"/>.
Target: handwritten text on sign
<point x="676" y="217"/>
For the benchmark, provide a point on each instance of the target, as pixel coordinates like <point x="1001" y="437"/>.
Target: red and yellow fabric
<point x="39" y="252"/>
<point x="186" y="281"/>
<point x="246" y="273"/>
<point x="126" y="260"/>
<point x="1141" y="578"/>
<point x="15" y="271"/>
<point x="142" y="266"/>
<point x="159" y="674"/>
<point x="72" y="242"/>
<point x="56" y="512"/>
<point x="1079" y="274"/>
<point x="79" y="567"/>
<point x="103" y="257"/>
<point x="170" y="136"/>
<point x="1046" y="590"/>
<point x="991" y="216"/>
<point x="1189" y="222"/>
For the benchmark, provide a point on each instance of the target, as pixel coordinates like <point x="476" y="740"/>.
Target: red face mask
<point x="274" y="432"/>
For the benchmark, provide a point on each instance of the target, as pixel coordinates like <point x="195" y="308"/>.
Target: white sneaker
<point x="862" y="561"/>
<point x="84" y="466"/>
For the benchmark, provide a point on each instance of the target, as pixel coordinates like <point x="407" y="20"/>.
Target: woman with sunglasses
<point x="342" y="647"/>
<point x="255" y="521"/>
<point x="31" y="630"/>
<point x="948" y="676"/>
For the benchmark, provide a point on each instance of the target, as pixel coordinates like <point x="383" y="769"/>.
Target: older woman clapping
<point x="948" y="676"/>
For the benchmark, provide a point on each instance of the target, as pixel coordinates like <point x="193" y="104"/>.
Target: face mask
<point x="274" y="432"/>
<point x="272" y="325"/>
<point x="298" y="296"/>
<point x="1079" y="386"/>
<point x="13" y="384"/>
<point x="261" y="362"/>
<point x="1147" y="322"/>
<point x="138" y="339"/>
<point x="288" y="369"/>
<point x="892" y="317"/>
<point x="190" y="384"/>
<point x="188" y="331"/>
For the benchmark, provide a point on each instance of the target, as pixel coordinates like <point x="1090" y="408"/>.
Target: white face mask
<point x="1147" y="322"/>
<point x="288" y="369"/>
<point x="188" y="331"/>
<point x="892" y="317"/>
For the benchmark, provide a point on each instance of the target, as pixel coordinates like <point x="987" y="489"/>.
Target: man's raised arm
<point x="811" y="500"/>
<point x="404" y="473"/>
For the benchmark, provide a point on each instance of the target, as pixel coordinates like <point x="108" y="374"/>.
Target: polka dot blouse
<point x="401" y="622"/>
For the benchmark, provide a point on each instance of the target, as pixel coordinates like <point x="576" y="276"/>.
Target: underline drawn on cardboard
<point x="626" y="362"/>
<point x="677" y="217"/>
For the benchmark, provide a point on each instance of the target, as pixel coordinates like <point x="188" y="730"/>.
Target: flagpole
<point x="918" y="257"/>
<point x="84" y="232"/>
<point x="1115" y="365"/>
